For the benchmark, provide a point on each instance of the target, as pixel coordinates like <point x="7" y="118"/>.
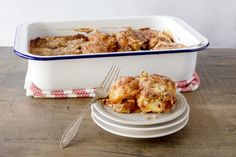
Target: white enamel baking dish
<point x="88" y="70"/>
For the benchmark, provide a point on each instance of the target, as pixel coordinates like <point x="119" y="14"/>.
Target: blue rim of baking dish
<point x="111" y="54"/>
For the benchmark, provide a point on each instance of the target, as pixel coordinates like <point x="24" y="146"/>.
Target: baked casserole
<point x="97" y="41"/>
<point x="144" y="93"/>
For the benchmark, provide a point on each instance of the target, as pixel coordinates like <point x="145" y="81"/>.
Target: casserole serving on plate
<point x="87" y="70"/>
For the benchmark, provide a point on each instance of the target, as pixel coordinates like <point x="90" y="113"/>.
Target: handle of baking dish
<point x="21" y="40"/>
<point x="204" y="42"/>
<point x="200" y="44"/>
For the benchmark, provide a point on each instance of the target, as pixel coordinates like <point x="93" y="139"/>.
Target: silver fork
<point x="101" y="92"/>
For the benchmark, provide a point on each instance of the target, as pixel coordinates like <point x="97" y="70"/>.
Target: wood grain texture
<point x="33" y="127"/>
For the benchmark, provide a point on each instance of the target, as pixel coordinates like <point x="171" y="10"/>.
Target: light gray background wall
<point x="215" y="19"/>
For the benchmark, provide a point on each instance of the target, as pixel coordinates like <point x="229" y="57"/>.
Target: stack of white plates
<point x="139" y="125"/>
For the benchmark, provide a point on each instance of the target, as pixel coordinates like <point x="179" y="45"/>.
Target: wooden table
<point x="33" y="127"/>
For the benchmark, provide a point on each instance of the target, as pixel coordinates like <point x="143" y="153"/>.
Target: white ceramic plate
<point x="112" y="123"/>
<point x="143" y="119"/>
<point x="140" y="134"/>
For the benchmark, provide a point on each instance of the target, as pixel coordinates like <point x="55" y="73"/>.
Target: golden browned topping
<point x="98" y="42"/>
<point x="131" y="39"/>
<point x="86" y="30"/>
<point x="158" y="93"/>
<point x="122" y="94"/>
<point x="148" y="93"/>
<point x="58" y="45"/>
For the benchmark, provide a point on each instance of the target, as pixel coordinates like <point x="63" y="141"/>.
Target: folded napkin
<point x="182" y="86"/>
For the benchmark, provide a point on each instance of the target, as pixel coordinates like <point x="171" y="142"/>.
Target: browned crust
<point x="149" y="93"/>
<point x="98" y="42"/>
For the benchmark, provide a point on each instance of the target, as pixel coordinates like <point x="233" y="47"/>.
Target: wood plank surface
<point x="33" y="127"/>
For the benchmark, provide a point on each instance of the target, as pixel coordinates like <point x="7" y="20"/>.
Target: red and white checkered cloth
<point x="182" y="86"/>
<point x="189" y="85"/>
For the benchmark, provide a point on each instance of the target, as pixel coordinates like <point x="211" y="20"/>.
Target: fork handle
<point x="72" y="129"/>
